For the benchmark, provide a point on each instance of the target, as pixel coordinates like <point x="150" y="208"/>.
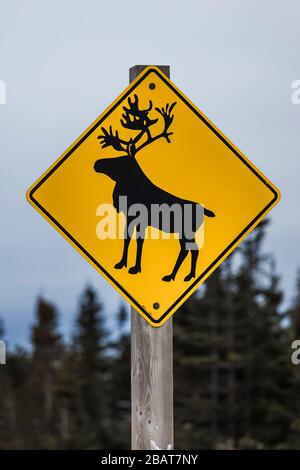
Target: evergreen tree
<point x="6" y="431"/>
<point x="89" y="348"/>
<point x="46" y="351"/>
<point x="293" y="403"/>
<point x="294" y="312"/>
<point x="230" y="351"/>
<point x="235" y="386"/>
<point x="120" y="393"/>
<point x="263" y="376"/>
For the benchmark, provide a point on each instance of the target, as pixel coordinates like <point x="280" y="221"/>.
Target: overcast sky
<point x="64" y="61"/>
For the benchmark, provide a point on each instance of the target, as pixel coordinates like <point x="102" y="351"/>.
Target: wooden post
<point x="151" y="370"/>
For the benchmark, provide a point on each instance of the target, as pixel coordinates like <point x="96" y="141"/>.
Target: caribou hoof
<point x="168" y="278"/>
<point x="134" y="270"/>
<point x="121" y="264"/>
<point x="189" y="277"/>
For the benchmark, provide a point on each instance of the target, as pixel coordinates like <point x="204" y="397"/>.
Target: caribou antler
<point x="137" y="119"/>
<point x="168" y="118"/>
<point x="109" y="139"/>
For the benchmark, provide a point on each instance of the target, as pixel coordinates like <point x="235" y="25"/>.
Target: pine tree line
<point x="235" y="386"/>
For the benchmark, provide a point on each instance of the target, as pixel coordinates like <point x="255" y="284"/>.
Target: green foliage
<point x="235" y="386"/>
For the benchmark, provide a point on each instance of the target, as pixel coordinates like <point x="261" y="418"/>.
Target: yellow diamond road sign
<point x="154" y="196"/>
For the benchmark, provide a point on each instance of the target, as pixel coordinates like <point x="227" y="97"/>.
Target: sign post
<point x="151" y="384"/>
<point x="151" y="370"/>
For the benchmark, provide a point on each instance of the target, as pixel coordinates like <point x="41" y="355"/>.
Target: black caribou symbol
<point x="132" y="183"/>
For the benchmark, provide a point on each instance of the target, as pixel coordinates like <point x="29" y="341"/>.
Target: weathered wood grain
<point x="152" y="384"/>
<point x="151" y="370"/>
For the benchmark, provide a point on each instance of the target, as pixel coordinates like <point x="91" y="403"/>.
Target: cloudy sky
<point x="64" y="61"/>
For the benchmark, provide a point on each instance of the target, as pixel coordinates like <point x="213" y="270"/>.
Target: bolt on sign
<point x="154" y="196"/>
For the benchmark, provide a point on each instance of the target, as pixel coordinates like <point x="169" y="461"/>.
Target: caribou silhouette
<point x="132" y="183"/>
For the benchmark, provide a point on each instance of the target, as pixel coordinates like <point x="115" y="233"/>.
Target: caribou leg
<point x="181" y="257"/>
<point x="193" y="247"/>
<point x="140" y="241"/>
<point x="127" y="237"/>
